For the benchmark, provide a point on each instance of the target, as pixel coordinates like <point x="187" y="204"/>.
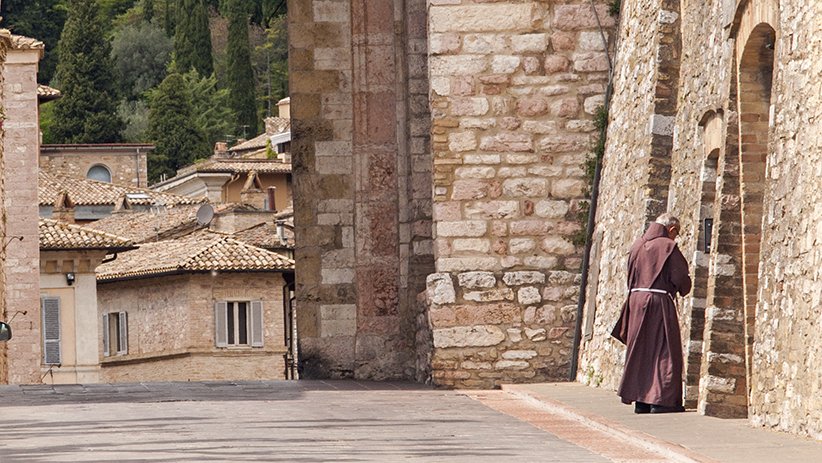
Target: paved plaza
<point x="267" y="421"/>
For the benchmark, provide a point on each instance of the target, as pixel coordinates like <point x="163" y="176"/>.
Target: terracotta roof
<point x="155" y="225"/>
<point x="198" y="252"/>
<point x="20" y="42"/>
<point x="262" y="166"/>
<point x="61" y="235"/>
<point x="277" y="124"/>
<point x="264" y="235"/>
<point x="87" y="192"/>
<point x="46" y="93"/>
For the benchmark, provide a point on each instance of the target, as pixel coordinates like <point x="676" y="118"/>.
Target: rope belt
<point x="649" y="290"/>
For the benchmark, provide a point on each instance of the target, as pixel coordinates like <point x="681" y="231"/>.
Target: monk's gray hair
<point x="667" y="220"/>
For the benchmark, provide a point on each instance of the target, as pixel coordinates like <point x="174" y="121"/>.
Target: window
<point x="239" y="324"/>
<point x="100" y="173"/>
<point x="115" y="334"/>
<point x="52" y="350"/>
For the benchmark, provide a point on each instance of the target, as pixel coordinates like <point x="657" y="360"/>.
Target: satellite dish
<point x="204" y="214"/>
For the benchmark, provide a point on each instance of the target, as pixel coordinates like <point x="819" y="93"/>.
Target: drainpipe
<point x="583" y="285"/>
<point x="138" y="167"/>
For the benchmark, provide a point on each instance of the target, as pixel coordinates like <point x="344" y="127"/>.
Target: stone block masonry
<point x="514" y="87"/>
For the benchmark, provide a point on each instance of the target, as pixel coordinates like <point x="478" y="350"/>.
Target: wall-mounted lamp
<point x="70" y="278"/>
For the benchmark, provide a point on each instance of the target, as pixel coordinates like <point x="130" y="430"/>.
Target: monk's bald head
<point x="671" y="223"/>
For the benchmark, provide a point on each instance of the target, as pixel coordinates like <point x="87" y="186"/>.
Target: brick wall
<point x="514" y="87"/>
<point x="171" y="328"/>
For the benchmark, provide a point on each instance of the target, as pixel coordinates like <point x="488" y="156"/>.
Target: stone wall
<point x="787" y="345"/>
<point x="635" y="173"/>
<point x="18" y="193"/>
<point x="361" y="169"/>
<point x="514" y="87"/>
<point x="171" y="328"/>
<point x="127" y="163"/>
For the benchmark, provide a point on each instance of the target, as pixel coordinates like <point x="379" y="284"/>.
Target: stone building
<point x="438" y="145"/>
<point x="196" y="308"/>
<point x="124" y="164"/>
<point x="714" y="118"/>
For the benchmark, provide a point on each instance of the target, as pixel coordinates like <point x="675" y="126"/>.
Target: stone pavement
<point x="353" y="421"/>
<point x="681" y="436"/>
<point x="271" y="421"/>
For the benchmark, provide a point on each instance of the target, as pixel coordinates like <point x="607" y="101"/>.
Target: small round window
<point x="100" y="173"/>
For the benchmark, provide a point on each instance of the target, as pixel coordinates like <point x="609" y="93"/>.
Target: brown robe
<point x="648" y="324"/>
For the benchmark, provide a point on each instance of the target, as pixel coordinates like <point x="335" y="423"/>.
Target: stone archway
<point x="755" y="76"/>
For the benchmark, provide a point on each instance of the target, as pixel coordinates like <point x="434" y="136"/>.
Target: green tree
<point x="87" y="112"/>
<point x="142" y="53"/>
<point x="270" y="61"/>
<point x="192" y="41"/>
<point x="39" y="19"/>
<point x="210" y="106"/>
<point x="148" y="10"/>
<point x="239" y="74"/>
<point x="173" y="130"/>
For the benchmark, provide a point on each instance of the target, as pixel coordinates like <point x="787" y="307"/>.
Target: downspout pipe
<point x="592" y="212"/>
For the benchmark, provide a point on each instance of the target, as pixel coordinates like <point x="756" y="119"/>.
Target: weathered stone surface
<point x="482" y="18"/>
<point x="556" y="245"/>
<point x="504" y="294"/>
<point x="462" y="228"/>
<point x="528" y="295"/>
<point x="475" y="280"/>
<point x="523" y="278"/>
<point x="468" y="336"/>
<point x="440" y="288"/>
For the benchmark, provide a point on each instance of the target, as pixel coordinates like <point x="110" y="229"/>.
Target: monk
<point x="648" y="325"/>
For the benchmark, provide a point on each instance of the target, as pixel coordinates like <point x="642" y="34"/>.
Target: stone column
<point x="21" y="271"/>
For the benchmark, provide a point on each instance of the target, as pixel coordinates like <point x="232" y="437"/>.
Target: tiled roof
<point x="199" y="252"/>
<point x="156" y="225"/>
<point x="262" y="166"/>
<point x="61" y="235"/>
<point x="20" y="42"/>
<point x="87" y="192"/>
<point x="277" y="125"/>
<point x="46" y="93"/>
<point x="265" y="235"/>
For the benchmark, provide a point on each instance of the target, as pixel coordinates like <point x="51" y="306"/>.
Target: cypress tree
<point x="172" y="128"/>
<point x="239" y="74"/>
<point x="148" y="10"/>
<point x="192" y="42"/>
<point x="87" y="113"/>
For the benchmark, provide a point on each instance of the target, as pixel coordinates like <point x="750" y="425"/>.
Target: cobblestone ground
<point x="285" y="421"/>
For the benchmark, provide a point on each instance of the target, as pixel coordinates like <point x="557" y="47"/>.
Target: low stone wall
<point x="197" y="366"/>
<point x="493" y="328"/>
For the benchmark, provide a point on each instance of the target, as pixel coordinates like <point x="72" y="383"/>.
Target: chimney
<point x="63" y="208"/>
<point x="220" y="149"/>
<point x="284" y="107"/>
<point x="272" y="203"/>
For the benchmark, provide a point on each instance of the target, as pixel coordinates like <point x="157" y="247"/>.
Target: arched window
<point x="100" y="173"/>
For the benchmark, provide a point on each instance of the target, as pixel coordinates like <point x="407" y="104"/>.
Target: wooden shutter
<point x="256" y="324"/>
<point x="123" y="319"/>
<point x="106" y="340"/>
<point x="221" y="324"/>
<point x="52" y="354"/>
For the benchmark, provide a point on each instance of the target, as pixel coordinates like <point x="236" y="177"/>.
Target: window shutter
<point x="221" y="324"/>
<point x="106" y="341"/>
<point x="52" y="354"/>
<point x="123" y="333"/>
<point x="256" y="324"/>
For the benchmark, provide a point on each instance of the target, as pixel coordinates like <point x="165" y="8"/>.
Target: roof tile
<point x="61" y="235"/>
